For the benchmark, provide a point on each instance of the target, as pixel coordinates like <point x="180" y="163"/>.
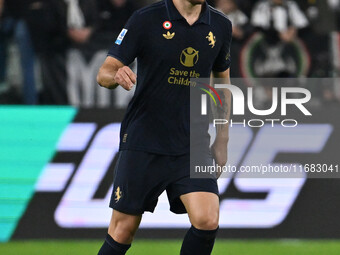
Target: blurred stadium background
<point x="59" y="130"/>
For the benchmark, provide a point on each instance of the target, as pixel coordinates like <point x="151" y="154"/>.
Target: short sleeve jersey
<point x="169" y="53"/>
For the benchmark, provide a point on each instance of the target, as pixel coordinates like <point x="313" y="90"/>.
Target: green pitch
<point x="161" y="247"/>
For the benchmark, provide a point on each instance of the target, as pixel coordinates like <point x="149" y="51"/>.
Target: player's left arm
<point x="221" y="71"/>
<point x="219" y="149"/>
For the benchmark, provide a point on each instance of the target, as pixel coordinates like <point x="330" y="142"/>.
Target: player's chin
<point x="194" y="2"/>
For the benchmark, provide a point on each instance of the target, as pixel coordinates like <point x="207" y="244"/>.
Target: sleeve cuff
<point x="221" y="68"/>
<point x="121" y="59"/>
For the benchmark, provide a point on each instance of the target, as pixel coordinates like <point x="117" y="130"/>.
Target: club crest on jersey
<point x="118" y="194"/>
<point x="212" y="39"/>
<point x="167" y="25"/>
<point x="121" y="36"/>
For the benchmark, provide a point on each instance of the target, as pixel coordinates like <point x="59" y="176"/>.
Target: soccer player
<point x="173" y="41"/>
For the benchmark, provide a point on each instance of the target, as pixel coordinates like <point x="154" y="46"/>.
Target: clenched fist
<point x="125" y="77"/>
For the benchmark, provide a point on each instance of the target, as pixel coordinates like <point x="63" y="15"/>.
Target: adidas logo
<point x="169" y="36"/>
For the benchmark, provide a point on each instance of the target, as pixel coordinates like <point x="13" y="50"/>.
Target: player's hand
<point x="125" y="77"/>
<point x="219" y="151"/>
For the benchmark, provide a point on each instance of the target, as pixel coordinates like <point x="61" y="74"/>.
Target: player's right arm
<point x="114" y="73"/>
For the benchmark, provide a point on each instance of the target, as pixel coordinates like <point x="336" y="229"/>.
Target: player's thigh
<point x="123" y="226"/>
<point x="202" y="208"/>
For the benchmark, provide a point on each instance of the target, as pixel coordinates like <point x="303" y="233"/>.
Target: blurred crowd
<point x="50" y="50"/>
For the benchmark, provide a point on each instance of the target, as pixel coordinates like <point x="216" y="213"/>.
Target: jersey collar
<point x="175" y="15"/>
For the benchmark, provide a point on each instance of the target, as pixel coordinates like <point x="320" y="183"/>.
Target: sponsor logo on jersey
<point x="189" y="57"/>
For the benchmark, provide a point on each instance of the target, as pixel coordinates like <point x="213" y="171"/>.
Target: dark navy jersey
<point x="169" y="53"/>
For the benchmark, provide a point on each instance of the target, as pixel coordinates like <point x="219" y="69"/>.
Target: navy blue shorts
<point x="141" y="177"/>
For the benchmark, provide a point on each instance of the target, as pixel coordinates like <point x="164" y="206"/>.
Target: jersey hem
<point x="221" y="69"/>
<point x="130" y="211"/>
<point x="160" y="152"/>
